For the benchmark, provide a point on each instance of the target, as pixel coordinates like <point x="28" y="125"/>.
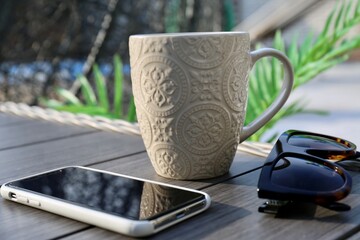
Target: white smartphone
<point x="120" y="203"/>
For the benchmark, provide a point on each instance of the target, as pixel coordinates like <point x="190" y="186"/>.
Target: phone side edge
<point x="207" y="200"/>
<point x="110" y="222"/>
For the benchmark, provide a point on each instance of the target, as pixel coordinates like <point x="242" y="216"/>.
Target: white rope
<point x="105" y="124"/>
<point x="100" y="123"/>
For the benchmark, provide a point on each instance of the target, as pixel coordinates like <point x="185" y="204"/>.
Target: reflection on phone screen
<point x="129" y="198"/>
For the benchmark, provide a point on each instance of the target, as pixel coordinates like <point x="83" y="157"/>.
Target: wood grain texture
<point x="77" y="150"/>
<point x="355" y="236"/>
<point x="36" y="131"/>
<point x="140" y="166"/>
<point x="7" y="119"/>
<point x="21" y="222"/>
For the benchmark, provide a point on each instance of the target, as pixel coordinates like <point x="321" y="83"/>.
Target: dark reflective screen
<point x="109" y="193"/>
<point x="307" y="175"/>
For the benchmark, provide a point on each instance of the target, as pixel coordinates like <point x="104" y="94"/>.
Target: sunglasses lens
<point x="298" y="173"/>
<point x="318" y="142"/>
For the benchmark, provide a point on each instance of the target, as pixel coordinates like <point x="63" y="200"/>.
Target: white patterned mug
<point x="190" y="92"/>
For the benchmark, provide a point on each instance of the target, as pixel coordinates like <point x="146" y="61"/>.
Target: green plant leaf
<point x="357" y="9"/>
<point x="252" y="103"/>
<point x="342" y="49"/>
<point x="305" y="47"/>
<point x="89" y="110"/>
<point x="329" y="19"/>
<point x="293" y="52"/>
<point x="320" y="67"/>
<point x="262" y="78"/>
<point x="276" y="74"/>
<point x="278" y="43"/>
<point x="338" y="21"/>
<point x="101" y="87"/>
<point x="87" y="91"/>
<point x="50" y="103"/>
<point x="348" y="15"/>
<point x="277" y="71"/>
<point x="118" y="86"/>
<point x="68" y="96"/>
<point x="131" y="111"/>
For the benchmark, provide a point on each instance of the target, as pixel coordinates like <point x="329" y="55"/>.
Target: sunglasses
<point x="305" y="167"/>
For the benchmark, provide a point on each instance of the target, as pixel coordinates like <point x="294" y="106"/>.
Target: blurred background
<point x="47" y="44"/>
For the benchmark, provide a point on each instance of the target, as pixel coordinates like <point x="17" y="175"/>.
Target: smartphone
<point x="120" y="203"/>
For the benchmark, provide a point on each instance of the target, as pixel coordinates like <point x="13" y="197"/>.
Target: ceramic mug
<point x="190" y="92"/>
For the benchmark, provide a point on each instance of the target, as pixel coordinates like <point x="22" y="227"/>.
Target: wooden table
<point x="31" y="146"/>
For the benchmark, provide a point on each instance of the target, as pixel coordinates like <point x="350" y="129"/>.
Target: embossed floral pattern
<point x="204" y="130"/>
<point x="236" y="124"/>
<point x="144" y="128"/>
<point x="162" y="129"/>
<point x="203" y="168"/>
<point x="169" y="163"/>
<point x="226" y="159"/>
<point x="155" y="46"/>
<point x="206" y="47"/>
<point x="237" y="86"/>
<point x="158" y="86"/>
<point x="203" y="52"/>
<point x="205" y="86"/>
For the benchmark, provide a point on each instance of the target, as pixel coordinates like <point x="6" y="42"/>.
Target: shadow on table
<point x="219" y="216"/>
<point x="311" y="211"/>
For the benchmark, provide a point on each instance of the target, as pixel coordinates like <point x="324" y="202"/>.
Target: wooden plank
<point x="22" y="222"/>
<point x="355" y="236"/>
<point x="77" y="150"/>
<point x="140" y="166"/>
<point x="234" y="215"/>
<point x="8" y="119"/>
<point x="31" y="131"/>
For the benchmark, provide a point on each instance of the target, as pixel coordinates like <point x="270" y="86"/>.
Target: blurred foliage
<point x="229" y="17"/>
<point x="310" y="58"/>
<point x="193" y="16"/>
<point x="96" y="102"/>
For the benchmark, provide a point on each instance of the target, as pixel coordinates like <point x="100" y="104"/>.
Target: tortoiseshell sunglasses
<point x="305" y="167"/>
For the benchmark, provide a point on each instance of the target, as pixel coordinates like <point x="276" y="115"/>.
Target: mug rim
<point x="187" y="34"/>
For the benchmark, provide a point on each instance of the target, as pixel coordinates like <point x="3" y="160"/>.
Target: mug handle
<point x="260" y="121"/>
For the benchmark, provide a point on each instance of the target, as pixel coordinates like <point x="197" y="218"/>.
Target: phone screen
<point x="125" y="197"/>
